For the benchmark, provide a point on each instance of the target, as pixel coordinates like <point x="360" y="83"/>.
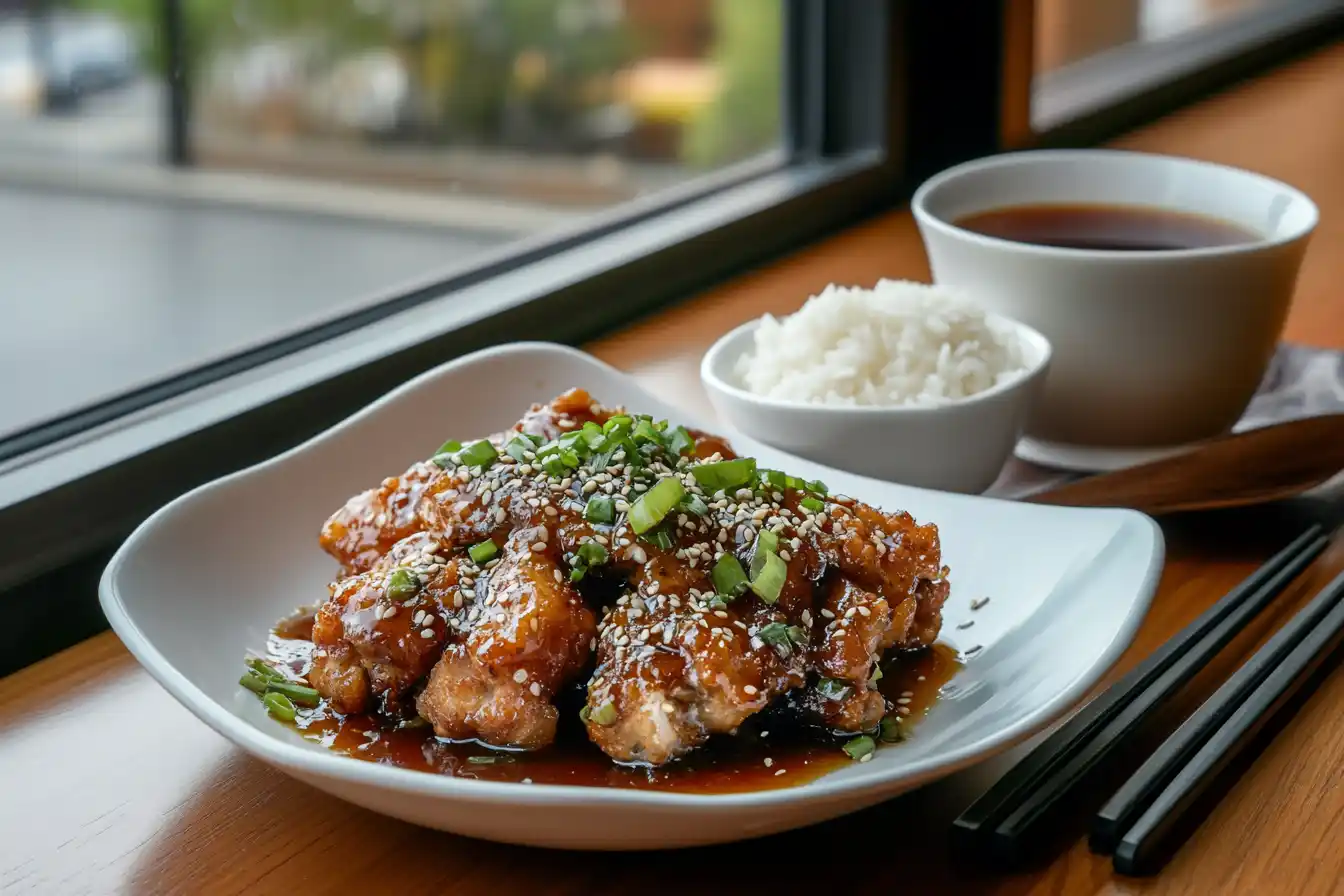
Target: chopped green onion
<point x="304" y="696"/>
<point x="718" y="602"/>
<point x="518" y="448"/>
<point x="659" y="538"/>
<point x="797" y="634"/>
<point x="655" y="504"/>
<point x="253" y="682"/>
<point x="452" y="446"/>
<point x="767" y="541"/>
<point x="833" y="688"/>
<point x="479" y="454"/>
<point x="620" y="421"/>
<point x="876" y="676"/>
<point x="817" y="486"/>
<point x="776" y="634"/>
<point x="679" y="441"/>
<point x="693" y="504"/>
<point x="600" y="509"/>
<point x="769" y="582"/>
<point x="889" y="732"/>
<point x="584" y="714"/>
<point x="483" y="552"/>
<point x="265" y="670"/>
<point x="604" y="715"/>
<point x="725" y="474"/>
<point x="773" y="477"/>
<point x="279" y="706"/>
<point x="860" y="748"/>
<point x="728" y="577"/>
<point x="644" y="432"/>
<point x="402" y="584"/>
<point x="495" y="759"/>
<point x="812" y="504"/>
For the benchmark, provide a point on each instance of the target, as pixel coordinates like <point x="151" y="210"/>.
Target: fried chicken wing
<point x="527" y="634"/>
<point x="382" y="630"/>
<point x="373" y="521"/>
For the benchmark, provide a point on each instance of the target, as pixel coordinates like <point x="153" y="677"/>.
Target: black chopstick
<point x="1161" y="829"/>
<point x="1170" y="666"/>
<point x="1158" y="770"/>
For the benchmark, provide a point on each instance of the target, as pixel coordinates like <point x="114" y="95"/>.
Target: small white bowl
<point x="960" y="446"/>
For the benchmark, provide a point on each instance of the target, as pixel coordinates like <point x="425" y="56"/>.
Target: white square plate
<point x="201" y="581"/>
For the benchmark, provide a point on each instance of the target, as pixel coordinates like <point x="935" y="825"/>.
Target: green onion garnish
<point x="659" y="538"/>
<point x="813" y="505"/>
<point x="772" y="477"/>
<point x="588" y="555"/>
<point x="644" y="433"/>
<point x="769" y="582"/>
<point x="265" y="669"/>
<point x="402" y="584"/>
<point x="728" y="577"/>
<point x="518" y="448"/>
<point x="693" y="504"/>
<point x="584" y="714"/>
<point x="817" y="486"/>
<point x="725" y="474"/>
<point x="876" y="676"/>
<point x="489" y="760"/>
<point x="860" y="747"/>
<point x="776" y="634"/>
<point x="717" y="602"/>
<point x="797" y="634"/>
<point x="449" y="447"/>
<point x="483" y="552"/>
<point x="604" y="715"/>
<point x="253" y="682"/>
<point x="279" y="706"/>
<point x="767" y="541"/>
<point x="655" y="504"/>
<point x="620" y="421"/>
<point x="600" y="509"/>
<point x="479" y="454"/>
<point x="679" y="441"/>
<point x="889" y="732"/>
<point x="833" y="688"/>
<point x="304" y="696"/>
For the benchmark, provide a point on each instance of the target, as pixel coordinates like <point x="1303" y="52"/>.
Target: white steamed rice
<point x="900" y="343"/>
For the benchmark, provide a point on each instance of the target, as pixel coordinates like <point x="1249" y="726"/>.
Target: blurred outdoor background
<point x="568" y="102"/>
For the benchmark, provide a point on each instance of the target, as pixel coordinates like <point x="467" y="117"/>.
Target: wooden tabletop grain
<point x="108" y="785"/>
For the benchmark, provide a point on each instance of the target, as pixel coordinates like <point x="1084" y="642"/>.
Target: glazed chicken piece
<point x="382" y="630"/>
<point x="527" y="635"/>
<point x="373" y="521"/>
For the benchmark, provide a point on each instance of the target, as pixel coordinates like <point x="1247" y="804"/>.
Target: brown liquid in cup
<point x="1115" y="228"/>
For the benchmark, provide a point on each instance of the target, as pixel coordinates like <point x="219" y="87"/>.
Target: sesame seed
<point x="903" y="700"/>
<point x="551" y="511"/>
<point x="426" y="633"/>
<point x="866" y="758"/>
<point x="785" y="556"/>
<point x="903" y="710"/>
<point x="865" y="612"/>
<point x="538" y="546"/>
<point x="535" y="689"/>
<point x="500" y="618"/>
<point x="769" y="762"/>
<point x="827" y="613"/>
<point x="486" y="496"/>
<point x="849" y="614"/>
<point x="750" y="690"/>
<point x="520" y="676"/>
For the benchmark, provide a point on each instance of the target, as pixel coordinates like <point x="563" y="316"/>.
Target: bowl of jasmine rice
<point x="905" y="382"/>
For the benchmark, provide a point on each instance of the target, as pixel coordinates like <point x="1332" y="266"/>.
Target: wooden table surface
<point x="108" y="785"/>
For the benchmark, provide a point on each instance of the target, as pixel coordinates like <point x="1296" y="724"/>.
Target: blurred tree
<point x="744" y="118"/>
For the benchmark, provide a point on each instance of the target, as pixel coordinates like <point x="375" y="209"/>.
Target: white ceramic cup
<point x="1152" y="349"/>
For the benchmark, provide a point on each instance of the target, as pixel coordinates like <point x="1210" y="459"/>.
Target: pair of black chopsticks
<point x="1150" y="815"/>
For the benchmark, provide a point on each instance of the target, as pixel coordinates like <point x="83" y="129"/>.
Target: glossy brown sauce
<point x="1123" y="228"/>
<point x="725" y="765"/>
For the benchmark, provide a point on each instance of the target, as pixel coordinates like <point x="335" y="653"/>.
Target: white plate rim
<point x="294" y="756"/>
